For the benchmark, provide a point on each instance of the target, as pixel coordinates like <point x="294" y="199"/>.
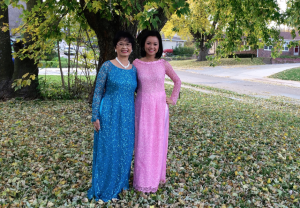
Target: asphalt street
<point x="256" y="88"/>
<point x="251" y="80"/>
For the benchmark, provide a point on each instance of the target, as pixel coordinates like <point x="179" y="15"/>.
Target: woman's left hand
<point x="169" y="101"/>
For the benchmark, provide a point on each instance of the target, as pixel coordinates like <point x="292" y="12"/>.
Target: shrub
<point x="288" y="56"/>
<point x="187" y="51"/>
<point x="51" y="55"/>
<point x="242" y="56"/>
<point x="51" y="88"/>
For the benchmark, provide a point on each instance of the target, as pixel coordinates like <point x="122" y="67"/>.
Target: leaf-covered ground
<point x="290" y="74"/>
<point x="222" y="153"/>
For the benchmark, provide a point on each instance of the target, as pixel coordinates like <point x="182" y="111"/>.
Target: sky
<point x="282" y="4"/>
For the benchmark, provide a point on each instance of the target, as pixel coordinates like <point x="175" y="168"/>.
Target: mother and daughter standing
<point x="122" y="125"/>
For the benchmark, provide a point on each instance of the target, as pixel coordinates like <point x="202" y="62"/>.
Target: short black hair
<point x="123" y="35"/>
<point x="146" y="35"/>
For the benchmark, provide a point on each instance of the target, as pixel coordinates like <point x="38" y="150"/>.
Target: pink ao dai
<point x="152" y="123"/>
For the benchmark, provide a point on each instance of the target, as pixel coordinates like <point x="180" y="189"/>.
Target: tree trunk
<point x="60" y="68"/>
<point x="6" y="64"/>
<point x="26" y="65"/>
<point x="201" y="39"/>
<point x="105" y="31"/>
<point x="69" y="66"/>
<point x="203" y="52"/>
<point x="22" y="67"/>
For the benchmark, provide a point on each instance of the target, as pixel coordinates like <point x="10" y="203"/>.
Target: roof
<point x="288" y="36"/>
<point x="174" y="38"/>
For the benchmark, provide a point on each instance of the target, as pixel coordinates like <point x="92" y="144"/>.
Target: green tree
<point x="228" y="22"/>
<point x="104" y="17"/>
<point x="293" y="16"/>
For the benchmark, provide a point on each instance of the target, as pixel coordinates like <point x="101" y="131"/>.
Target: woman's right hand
<point x="97" y="125"/>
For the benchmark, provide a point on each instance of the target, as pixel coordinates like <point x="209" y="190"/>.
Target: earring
<point x="115" y="50"/>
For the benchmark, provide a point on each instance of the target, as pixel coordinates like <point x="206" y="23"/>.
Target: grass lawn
<point x="193" y="64"/>
<point x="55" y="64"/>
<point x="51" y="86"/>
<point x="57" y="78"/>
<point x="290" y="74"/>
<point x="222" y="153"/>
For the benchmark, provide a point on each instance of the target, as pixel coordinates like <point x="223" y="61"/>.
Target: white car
<point x="72" y="50"/>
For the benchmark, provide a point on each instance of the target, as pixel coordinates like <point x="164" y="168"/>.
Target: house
<point x="176" y="41"/>
<point x="293" y="51"/>
<point x="266" y="51"/>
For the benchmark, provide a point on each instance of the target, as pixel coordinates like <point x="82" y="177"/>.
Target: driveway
<point x="251" y="80"/>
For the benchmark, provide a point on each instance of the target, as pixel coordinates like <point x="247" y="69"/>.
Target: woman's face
<point x="123" y="47"/>
<point x="151" y="45"/>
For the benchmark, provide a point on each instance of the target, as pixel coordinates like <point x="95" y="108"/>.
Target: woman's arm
<point x="99" y="90"/>
<point x="177" y="82"/>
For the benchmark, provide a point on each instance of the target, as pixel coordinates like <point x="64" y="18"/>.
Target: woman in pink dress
<point x="152" y="114"/>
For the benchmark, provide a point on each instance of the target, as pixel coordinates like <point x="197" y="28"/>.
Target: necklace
<point x="122" y="64"/>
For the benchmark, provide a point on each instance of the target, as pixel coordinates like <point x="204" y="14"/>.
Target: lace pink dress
<point x="152" y="123"/>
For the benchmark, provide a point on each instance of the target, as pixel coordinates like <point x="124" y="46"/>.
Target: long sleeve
<point x="177" y="82"/>
<point x="99" y="90"/>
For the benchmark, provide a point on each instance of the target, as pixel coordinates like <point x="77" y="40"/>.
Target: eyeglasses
<point x="128" y="45"/>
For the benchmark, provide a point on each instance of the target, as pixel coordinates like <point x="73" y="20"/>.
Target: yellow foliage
<point x="4" y="29"/>
<point x="32" y="77"/>
<point x="97" y="5"/>
<point x="197" y="21"/>
<point x="24" y="83"/>
<point x="25" y="75"/>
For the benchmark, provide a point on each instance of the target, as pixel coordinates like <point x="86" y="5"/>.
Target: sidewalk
<point x="56" y="71"/>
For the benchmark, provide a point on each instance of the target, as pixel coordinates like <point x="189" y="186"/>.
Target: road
<point x="251" y="80"/>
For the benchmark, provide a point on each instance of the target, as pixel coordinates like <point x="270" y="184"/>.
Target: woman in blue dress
<point x="113" y="119"/>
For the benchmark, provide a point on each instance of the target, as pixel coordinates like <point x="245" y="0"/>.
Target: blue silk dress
<point x="113" y="105"/>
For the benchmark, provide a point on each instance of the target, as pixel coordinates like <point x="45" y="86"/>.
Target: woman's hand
<point x="169" y="101"/>
<point x="97" y="125"/>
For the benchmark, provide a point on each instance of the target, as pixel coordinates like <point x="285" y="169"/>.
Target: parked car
<point x="72" y="50"/>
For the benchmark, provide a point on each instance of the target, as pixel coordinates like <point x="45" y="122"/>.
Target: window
<point x="285" y="46"/>
<point x="268" y="48"/>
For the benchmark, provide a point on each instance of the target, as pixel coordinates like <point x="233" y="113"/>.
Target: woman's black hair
<point x="146" y="35"/>
<point x="123" y="35"/>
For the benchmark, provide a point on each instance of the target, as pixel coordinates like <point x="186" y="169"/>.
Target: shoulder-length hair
<point x="146" y="35"/>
